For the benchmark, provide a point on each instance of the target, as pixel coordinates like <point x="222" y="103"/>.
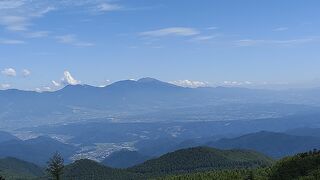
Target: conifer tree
<point x="55" y="166"/>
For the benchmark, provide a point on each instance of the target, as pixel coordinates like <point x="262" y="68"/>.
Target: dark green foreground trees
<point x="304" y="166"/>
<point x="55" y="166"/>
<point x="189" y="164"/>
<point x="1" y="178"/>
<point x="301" y="166"/>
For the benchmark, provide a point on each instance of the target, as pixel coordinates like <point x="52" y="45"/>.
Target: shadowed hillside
<point x="275" y="145"/>
<point x="201" y="159"/>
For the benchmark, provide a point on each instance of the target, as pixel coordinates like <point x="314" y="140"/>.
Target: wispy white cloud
<point x="19" y="15"/>
<point x="259" y="84"/>
<point x="107" y="7"/>
<point x="5" y="86"/>
<point x="43" y="89"/>
<point x="257" y="42"/>
<point x="9" y="72"/>
<point x="172" y="31"/>
<point x="11" y="41"/>
<point x="190" y="83"/>
<point x="72" y="40"/>
<point x="280" y="29"/>
<point x="55" y="83"/>
<point x="43" y="11"/>
<point x="212" y="28"/>
<point x="47" y="88"/>
<point x="204" y="38"/>
<point x="38" y="90"/>
<point x="37" y="34"/>
<point x="237" y="83"/>
<point x="10" y="4"/>
<point x="26" y="73"/>
<point x="15" y="23"/>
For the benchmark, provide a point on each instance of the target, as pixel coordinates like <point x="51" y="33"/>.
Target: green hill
<point x="12" y="168"/>
<point x="202" y="159"/>
<point x="87" y="169"/>
<point x="302" y="166"/>
<point x="182" y="161"/>
<point x="243" y="174"/>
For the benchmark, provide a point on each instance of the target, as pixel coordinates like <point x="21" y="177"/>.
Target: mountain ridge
<point x="276" y="145"/>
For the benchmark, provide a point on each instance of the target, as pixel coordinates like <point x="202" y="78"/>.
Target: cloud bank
<point x="190" y="83"/>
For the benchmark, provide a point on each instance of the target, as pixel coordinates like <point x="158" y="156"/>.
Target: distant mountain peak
<point x="77" y="87"/>
<point x="148" y="80"/>
<point x="152" y="81"/>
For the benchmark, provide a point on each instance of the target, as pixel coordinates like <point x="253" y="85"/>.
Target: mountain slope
<point x="301" y="166"/>
<point x="15" y="168"/>
<point x="304" y="131"/>
<point x="200" y="159"/>
<point x="5" y="136"/>
<point x="124" y="159"/>
<point x="87" y="169"/>
<point x="275" y="145"/>
<point x="37" y="150"/>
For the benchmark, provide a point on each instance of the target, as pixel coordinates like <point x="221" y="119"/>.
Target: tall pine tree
<point x="55" y="166"/>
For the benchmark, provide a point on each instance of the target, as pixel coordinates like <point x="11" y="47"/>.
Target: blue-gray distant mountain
<point x="305" y="131"/>
<point x="5" y="136"/>
<point x="125" y="159"/>
<point x="275" y="145"/>
<point x="37" y="150"/>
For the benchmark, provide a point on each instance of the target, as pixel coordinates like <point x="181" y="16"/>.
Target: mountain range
<point x="132" y="101"/>
<point x="276" y="145"/>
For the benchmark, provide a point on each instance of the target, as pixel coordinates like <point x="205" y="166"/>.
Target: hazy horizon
<point x="181" y="83"/>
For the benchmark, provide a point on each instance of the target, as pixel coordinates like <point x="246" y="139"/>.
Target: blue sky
<point x="187" y="42"/>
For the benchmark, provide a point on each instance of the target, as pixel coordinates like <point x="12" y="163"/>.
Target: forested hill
<point x="12" y="168"/>
<point x="201" y="159"/>
<point x="194" y="163"/>
<point x="181" y="161"/>
<point x="304" y="166"/>
<point x="87" y="169"/>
